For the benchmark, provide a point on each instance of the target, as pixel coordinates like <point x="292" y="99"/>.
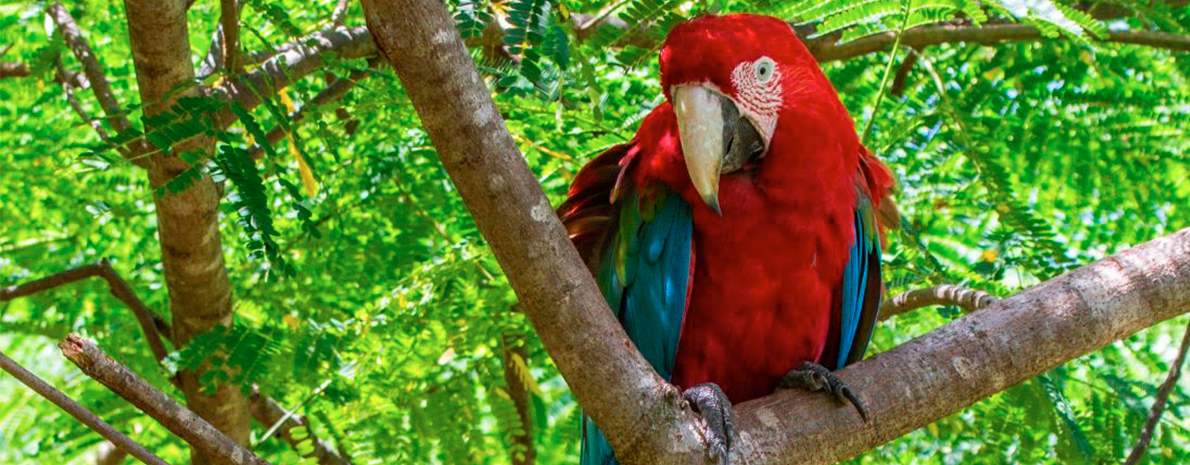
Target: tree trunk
<point x="191" y="247"/>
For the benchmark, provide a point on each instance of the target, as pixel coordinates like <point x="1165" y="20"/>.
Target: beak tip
<point x="713" y="202"/>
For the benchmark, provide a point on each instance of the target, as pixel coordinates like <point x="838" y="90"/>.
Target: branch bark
<point x="974" y="357"/>
<point x="191" y="245"/>
<point x="66" y="26"/>
<point x="292" y="61"/>
<point x="641" y="414"/>
<point x="196" y="431"/>
<point x="905" y="388"/>
<point x="13" y="69"/>
<point x="229" y="24"/>
<point x="77" y="411"/>
<point x="943" y="294"/>
<point x="826" y="49"/>
<point x="262" y="408"/>
<point x="334" y="91"/>
<point x="119" y="288"/>
<point x="268" y="412"/>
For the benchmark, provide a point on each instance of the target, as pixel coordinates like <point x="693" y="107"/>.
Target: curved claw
<point x="709" y="401"/>
<point x="814" y="378"/>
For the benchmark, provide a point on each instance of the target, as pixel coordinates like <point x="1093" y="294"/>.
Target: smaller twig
<point x="212" y="62"/>
<point x="77" y="411"/>
<point x="943" y="294"/>
<point x="290" y="413"/>
<point x="586" y="26"/>
<point x="334" y="91"/>
<point x="15" y="69"/>
<point x="91" y="67"/>
<point x="6" y="49"/>
<point x="176" y="418"/>
<point x="267" y="412"/>
<point x="68" y="89"/>
<point x="229" y="22"/>
<point x="1171" y="380"/>
<point x="119" y="288"/>
<point x="902" y="78"/>
<point x="340" y="13"/>
<point x="887" y="70"/>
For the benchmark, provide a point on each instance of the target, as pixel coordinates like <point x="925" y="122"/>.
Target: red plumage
<point x="766" y="287"/>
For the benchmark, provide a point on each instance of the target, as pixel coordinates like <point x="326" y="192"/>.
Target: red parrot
<point x="737" y="236"/>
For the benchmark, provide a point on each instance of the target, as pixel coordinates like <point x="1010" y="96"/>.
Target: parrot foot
<point x="816" y="378"/>
<point x="709" y="401"/>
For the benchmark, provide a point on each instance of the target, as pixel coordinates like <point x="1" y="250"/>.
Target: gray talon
<point x="816" y="378"/>
<point x="713" y="405"/>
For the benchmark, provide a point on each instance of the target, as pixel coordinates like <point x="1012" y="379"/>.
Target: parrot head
<point x="731" y="81"/>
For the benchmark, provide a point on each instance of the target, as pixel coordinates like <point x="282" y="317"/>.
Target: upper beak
<point x="716" y="138"/>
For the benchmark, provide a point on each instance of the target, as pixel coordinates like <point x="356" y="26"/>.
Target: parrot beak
<point x="716" y="138"/>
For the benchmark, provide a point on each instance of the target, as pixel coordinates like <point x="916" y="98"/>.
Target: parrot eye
<point x="764" y="69"/>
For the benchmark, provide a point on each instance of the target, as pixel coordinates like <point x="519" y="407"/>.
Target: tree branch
<point x="340" y="13"/>
<point x="1171" y="380"/>
<point x="905" y="388"/>
<point x="292" y="61"/>
<point x="77" y="411"/>
<point x="66" y="26"/>
<point x="943" y="294"/>
<point x="268" y="412"/>
<point x="974" y="357"/>
<point x="150" y="325"/>
<point x="178" y="419"/>
<point x="641" y="414"/>
<point x="13" y="69"/>
<point x="826" y="49"/>
<point x="229" y="24"/>
<point x="336" y="90"/>
<point x="77" y="106"/>
<point x="119" y="288"/>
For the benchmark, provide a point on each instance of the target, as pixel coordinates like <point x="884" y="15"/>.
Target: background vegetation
<point x="367" y="300"/>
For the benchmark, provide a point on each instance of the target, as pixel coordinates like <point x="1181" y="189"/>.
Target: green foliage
<point x="373" y="306"/>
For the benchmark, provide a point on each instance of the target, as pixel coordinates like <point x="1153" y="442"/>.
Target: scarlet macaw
<point x="737" y="236"/>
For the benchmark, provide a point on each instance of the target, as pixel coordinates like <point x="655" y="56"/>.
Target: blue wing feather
<point x="861" y="292"/>
<point x="644" y="276"/>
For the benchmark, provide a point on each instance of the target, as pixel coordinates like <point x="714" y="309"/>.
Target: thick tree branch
<point x="268" y="412"/>
<point x="77" y="411"/>
<point x="826" y="49"/>
<point x="640" y="413"/>
<point x="13" y="69"/>
<point x="178" y="419"/>
<point x="943" y="294"/>
<point x="905" y="388"/>
<point x="292" y="61"/>
<point x="974" y="357"/>
<point x="1171" y="380"/>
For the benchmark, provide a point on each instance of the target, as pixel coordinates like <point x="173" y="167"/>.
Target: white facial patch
<point x="758" y="93"/>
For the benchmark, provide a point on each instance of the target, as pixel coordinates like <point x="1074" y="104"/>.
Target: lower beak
<point x="716" y="138"/>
